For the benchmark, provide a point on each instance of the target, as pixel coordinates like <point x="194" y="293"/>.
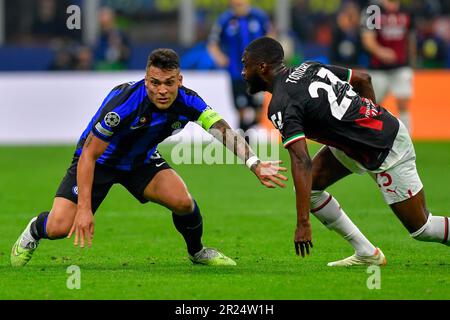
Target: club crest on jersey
<point x="112" y="119"/>
<point x="176" y="125"/>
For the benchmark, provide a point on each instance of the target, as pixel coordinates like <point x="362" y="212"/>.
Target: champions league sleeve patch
<point x="112" y="119"/>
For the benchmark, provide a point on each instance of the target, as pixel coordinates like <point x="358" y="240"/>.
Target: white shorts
<point x="398" y="81"/>
<point x="397" y="176"/>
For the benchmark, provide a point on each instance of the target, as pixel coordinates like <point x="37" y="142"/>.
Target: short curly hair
<point x="265" y="49"/>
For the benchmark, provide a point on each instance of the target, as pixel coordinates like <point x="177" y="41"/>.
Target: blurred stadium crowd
<point x="36" y="36"/>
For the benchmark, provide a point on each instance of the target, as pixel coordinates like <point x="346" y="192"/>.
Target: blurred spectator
<point x="392" y="50"/>
<point x="49" y="22"/>
<point x="302" y="21"/>
<point x="346" y="44"/>
<point x="84" y="59"/>
<point x="72" y="56"/>
<point x="63" y="59"/>
<point x="113" y="47"/>
<point x="37" y="22"/>
<point x="431" y="44"/>
<point x="231" y="33"/>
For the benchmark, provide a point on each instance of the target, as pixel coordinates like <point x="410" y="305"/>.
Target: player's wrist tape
<point x="251" y="161"/>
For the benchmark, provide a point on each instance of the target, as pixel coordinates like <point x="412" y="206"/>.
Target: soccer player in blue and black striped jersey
<point x="232" y="32"/>
<point x="119" y="145"/>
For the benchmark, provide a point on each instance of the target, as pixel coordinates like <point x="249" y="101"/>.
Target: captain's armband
<point x="208" y="118"/>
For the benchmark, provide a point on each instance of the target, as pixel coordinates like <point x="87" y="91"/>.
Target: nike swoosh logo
<point x="160" y="164"/>
<point x="15" y="252"/>
<point x="195" y="226"/>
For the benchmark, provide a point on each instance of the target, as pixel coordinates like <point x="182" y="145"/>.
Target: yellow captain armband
<point x="208" y="118"/>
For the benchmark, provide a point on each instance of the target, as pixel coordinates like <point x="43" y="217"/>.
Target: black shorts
<point x="241" y="98"/>
<point x="134" y="181"/>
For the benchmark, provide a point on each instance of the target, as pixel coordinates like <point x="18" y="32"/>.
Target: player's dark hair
<point x="266" y="50"/>
<point x="163" y="58"/>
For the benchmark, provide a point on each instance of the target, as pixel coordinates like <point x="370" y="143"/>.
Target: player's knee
<point x="183" y="205"/>
<point x="319" y="182"/>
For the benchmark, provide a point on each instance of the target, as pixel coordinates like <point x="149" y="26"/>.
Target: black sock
<point x="37" y="228"/>
<point x="191" y="228"/>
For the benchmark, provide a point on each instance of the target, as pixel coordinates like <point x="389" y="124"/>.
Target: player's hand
<point x="83" y="227"/>
<point x="387" y="55"/>
<point x="268" y="173"/>
<point x="303" y="239"/>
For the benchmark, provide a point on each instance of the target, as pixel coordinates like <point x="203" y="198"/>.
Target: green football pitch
<point x="137" y="253"/>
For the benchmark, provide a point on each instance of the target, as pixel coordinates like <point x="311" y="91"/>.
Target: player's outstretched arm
<point x="301" y="166"/>
<point x="266" y="171"/>
<point x="83" y="224"/>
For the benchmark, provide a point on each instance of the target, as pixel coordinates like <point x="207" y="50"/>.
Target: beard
<point x="255" y="84"/>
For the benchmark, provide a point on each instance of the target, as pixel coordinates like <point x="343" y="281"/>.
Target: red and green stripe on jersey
<point x="294" y="138"/>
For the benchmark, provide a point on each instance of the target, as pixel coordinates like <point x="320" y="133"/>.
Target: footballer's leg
<point x="56" y="224"/>
<point x="60" y="219"/>
<point x="326" y="170"/>
<point x="421" y="224"/>
<point x="402" y="190"/>
<point x="168" y="189"/>
<point x="53" y="225"/>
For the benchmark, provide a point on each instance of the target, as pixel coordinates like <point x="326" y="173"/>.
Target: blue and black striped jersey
<point x="134" y="126"/>
<point x="233" y="33"/>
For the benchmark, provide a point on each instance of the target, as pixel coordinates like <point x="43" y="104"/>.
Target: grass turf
<point x="137" y="253"/>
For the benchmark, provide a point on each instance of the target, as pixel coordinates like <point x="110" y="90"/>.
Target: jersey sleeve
<point x="292" y="127"/>
<point x="113" y="114"/>
<point x="342" y="73"/>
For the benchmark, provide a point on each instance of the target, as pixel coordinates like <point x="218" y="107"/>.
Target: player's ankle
<point x="38" y="227"/>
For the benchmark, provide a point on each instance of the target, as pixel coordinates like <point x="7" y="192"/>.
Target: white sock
<point x="405" y="117"/>
<point x="327" y="210"/>
<point x="436" y="229"/>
